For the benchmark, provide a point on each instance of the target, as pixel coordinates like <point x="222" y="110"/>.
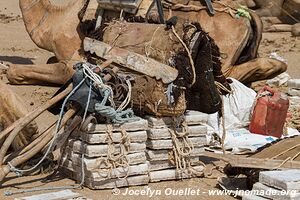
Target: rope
<point x="224" y="128"/>
<point x="87" y="105"/>
<point x="97" y="81"/>
<point x="127" y="100"/>
<point x="222" y="87"/>
<point x="189" y="55"/>
<point x="51" y="145"/>
<point x="114" y="160"/>
<point x="182" y="149"/>
<point x="10" y="192"/>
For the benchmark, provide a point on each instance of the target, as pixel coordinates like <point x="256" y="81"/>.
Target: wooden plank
<point x="131" y="60"/>
<point x="102" y="138"/>
<point x="261" y="163"/>
<point x="164" y="133"/>
<point x="127" y="6"/>
<point x="276" y="148"/>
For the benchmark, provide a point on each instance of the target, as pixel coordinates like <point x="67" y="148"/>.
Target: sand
<point x="16" y="47"/>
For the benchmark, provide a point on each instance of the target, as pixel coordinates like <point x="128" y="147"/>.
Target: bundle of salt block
<point x="294" y="87"/>
<point x="108" y="156"/>
<point x="161" y="144"/>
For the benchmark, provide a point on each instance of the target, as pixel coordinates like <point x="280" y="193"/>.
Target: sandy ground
<point x="16" y="47"/>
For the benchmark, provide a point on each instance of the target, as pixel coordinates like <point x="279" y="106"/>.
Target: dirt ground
<point x="16" y="47"/>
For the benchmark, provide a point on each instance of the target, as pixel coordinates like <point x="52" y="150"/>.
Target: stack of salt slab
<point x="160" y="145"/>
<point x="92" y="148"/>
<point x="294" y="87"/>
<point x="282" y="185"/>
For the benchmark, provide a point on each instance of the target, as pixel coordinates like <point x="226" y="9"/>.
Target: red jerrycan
<point x="270" y="112"/>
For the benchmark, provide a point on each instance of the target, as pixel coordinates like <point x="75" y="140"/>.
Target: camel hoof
<point x="13" y="75"/>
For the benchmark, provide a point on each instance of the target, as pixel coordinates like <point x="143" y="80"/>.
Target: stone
<point x="172" y="174"/>
<point x="96" y="150"/>
<point x="294" y="92"/>
<point x="294" y="83"/>
<point x="140" y="125"/>
<point x="285" y="180"/>
<point x="101" y="138"/>
<point x="95" y="163"/>
<point x="164" y="133"/>
<point x="113" y="183"/>
<point x="159" y="155"/>
<point x="166" y="164"/>
<point x="191" y="118"/>
<point x="104" y="174"/>
<point x="273" y="193"/>
<point x="168" y="144"/>
<point x="110" y="183"/>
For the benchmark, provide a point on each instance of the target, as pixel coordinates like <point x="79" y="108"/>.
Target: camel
<point x="274" y="8"/>
<point x="57" y="29"/>
<point x="11" y="109"/>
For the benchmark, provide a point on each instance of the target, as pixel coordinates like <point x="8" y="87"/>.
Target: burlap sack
<point x="150" y="96"/>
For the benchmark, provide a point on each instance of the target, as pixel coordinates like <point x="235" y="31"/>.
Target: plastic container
<point x="270" y="112"/>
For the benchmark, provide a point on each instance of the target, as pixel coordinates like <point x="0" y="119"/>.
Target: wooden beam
<point x="131" y="60"/>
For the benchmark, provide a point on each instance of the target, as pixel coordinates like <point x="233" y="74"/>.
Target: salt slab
<point x="97" y="150"/>
<point x="158" y="155"/>
<point x="102" y="138"/>
<point x="164" y="133"/>
<point x="139" y="125"/>
<point x="172" y="174"/>
<point x="168" y="144"/>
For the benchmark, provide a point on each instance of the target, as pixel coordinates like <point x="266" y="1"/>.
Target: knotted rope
<point x="182" y="149"/>
<point x="114" y="160"/>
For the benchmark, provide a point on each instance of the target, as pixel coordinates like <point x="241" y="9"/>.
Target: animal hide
<point x="11" y="109"/>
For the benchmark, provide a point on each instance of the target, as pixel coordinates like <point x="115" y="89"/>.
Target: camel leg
<point x="12" y="109"/>
<point x="57" y="73"/>
<point x="257" y="69"/>
<point x="269" y="8"/>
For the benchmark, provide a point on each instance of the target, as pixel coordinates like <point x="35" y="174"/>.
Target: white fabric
<point x="237" y="109"/>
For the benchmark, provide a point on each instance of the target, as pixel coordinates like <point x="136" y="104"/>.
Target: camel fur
<point x="11" y="109"/>
<point x="56" y="29"/>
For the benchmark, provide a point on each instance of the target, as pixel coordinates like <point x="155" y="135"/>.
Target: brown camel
<point x="11" y="109"/>
<point x="274" y="8"/>
<point x="57" y="29"/>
